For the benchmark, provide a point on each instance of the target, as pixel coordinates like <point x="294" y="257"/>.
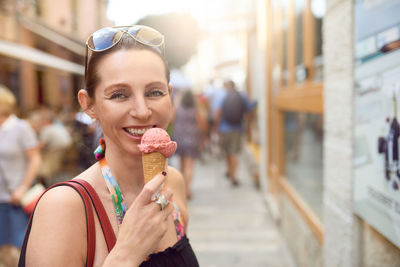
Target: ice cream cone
<point x="153" y="163"/>
<point x="156" y="147"/>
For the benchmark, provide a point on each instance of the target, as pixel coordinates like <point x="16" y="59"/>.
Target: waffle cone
<point x="153" y="163"/>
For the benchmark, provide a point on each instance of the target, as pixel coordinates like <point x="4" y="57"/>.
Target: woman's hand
<point x="143" y="227"/>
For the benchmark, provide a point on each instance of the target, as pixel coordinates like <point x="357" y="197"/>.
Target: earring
<point x="100" y="151"/>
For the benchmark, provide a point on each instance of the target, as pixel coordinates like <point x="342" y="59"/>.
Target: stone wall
<point x="341" y="238"/>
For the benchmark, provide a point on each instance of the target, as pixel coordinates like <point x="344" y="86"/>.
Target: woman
<point x="187" y="135"/>
<point x="19" y="164"/>
<point x="127" y="91"/>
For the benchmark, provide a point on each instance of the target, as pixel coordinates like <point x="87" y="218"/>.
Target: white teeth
<point x="137" y="131"/>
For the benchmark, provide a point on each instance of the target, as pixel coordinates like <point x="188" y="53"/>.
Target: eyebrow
<point x="156" y="84"/>
<point x="112" y="86"/>
<point x="126" y="86"/>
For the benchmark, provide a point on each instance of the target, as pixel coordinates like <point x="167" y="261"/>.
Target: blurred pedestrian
<point x="231" y="108"/>
<point x="213" y="93"/>
<point x="54" y="140"/>
<point x="19" y="163"/>
<point x="84" y="132"/>
<point x="187" y="134"/>
<point x="204" y="127"/>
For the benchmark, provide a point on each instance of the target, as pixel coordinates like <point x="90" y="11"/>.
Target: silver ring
<point x="162" y="201"/>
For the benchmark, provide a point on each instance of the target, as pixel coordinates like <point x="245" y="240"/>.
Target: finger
<point x="150" y="188"/>
<point x="166" y="196"/>
<point x="163" y="213"/>
<point x="166" y="212"/>
<point x="167" y="193"/>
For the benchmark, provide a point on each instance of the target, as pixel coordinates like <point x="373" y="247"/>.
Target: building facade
<point x="327" y="133"/>
<point x="42" y="48"/>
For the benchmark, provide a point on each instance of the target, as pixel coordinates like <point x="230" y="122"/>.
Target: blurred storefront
<point x="327" y="133"/>
<point x="221" y="51"/>
<point x="294" y="123"/>
<point x="42" y="48"/>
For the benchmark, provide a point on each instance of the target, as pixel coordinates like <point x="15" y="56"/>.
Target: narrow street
<point x="231" y="226"/>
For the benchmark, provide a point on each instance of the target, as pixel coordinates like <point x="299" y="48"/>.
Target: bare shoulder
<point x="59" y="229"/>
<point x="175" y="179"/>
<point x="176" y="182"/>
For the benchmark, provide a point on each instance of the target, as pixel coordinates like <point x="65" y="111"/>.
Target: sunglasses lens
<point x="104" y="39"/>
<point x="147" y="35"/>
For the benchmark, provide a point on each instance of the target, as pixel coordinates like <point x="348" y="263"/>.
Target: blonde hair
<point x="7" y="101"/>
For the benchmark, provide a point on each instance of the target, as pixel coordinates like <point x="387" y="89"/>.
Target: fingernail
<point x="164" y="173"/>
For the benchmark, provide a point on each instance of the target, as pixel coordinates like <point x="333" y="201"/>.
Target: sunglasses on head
<point x="106" y="38"/>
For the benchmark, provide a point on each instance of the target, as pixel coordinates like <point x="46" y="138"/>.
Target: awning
<point x="69" y="43"/>
<point x="39" y="57"/>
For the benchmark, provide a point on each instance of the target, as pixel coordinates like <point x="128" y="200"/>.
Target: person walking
<point x="187" y="134"/>
<point x="54" y="140"/>
<point x="213" y="94"/>
<point x="231" y="108"/>
<point x="127" y="91"/>
<point x="19" y="164"/>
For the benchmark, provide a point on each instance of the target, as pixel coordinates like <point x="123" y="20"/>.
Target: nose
<point x="140" y="109"/>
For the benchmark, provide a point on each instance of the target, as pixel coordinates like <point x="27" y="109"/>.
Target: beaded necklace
<point x="116" y="195"/>
<point x="115" y="192"/>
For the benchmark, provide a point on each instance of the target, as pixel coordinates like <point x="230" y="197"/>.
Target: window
<point x="36" y="6"/>
<point x="299" y="9"/>
<point x="303" y="156"/>
<point x="318" y="12"/>
<point x="284" y="32"/>
<point x="295" y="120"/>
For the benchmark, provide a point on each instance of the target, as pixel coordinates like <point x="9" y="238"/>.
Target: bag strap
<point x="90" y="226"/>
<point x="105" y="223"/>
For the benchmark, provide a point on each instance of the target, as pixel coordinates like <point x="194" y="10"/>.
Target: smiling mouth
<point x="136" y="131"/>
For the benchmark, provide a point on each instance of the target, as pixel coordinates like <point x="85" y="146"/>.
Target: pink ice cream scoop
<point x="157" y="140"/>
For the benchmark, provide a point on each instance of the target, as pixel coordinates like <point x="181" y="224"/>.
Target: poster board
<point x="377" y="115"/>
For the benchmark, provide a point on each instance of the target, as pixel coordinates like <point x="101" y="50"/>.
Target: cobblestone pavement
<point x="231" y="226"/>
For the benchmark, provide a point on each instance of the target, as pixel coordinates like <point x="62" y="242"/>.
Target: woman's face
<point x="132" y="96"/>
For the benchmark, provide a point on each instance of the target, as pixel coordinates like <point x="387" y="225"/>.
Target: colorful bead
<point x="100" y="151"/>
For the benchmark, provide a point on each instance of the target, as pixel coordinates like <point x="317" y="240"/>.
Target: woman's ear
<point x="86" y="103"/>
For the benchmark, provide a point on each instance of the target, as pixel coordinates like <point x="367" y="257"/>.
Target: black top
<point x="179" y="255"/>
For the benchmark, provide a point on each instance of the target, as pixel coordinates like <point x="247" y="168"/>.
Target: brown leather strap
<point x="101" y="214"/>
<point x="91" y="233"/>
<point x="91" y="230"/>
